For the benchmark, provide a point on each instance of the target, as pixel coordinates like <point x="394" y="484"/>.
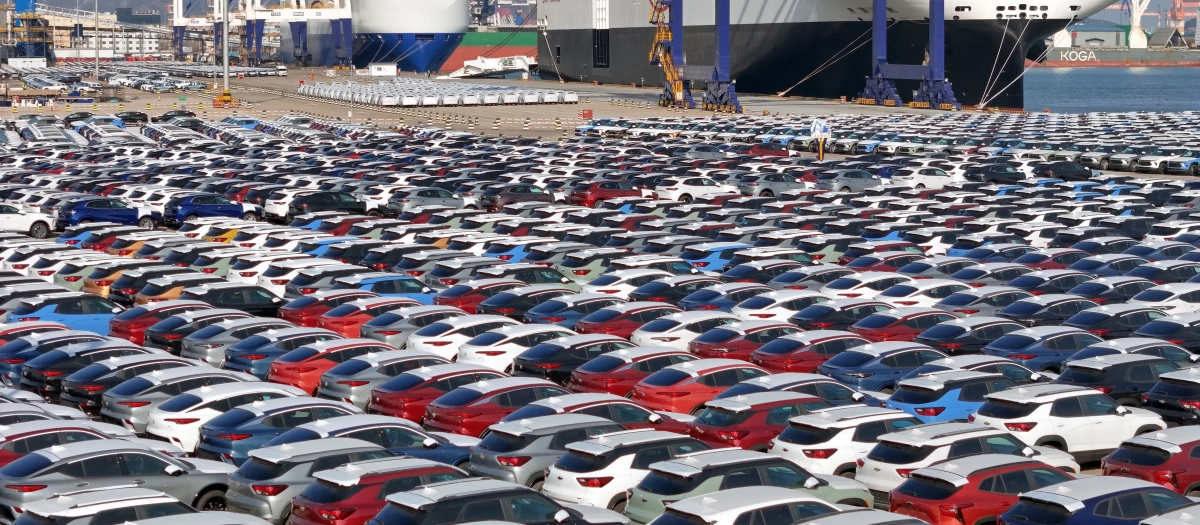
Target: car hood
<point x="592" y="514"/>
<point x="1181" y="159"/>
<point x="206" y="466"/>
<point x="1155" y="157"/>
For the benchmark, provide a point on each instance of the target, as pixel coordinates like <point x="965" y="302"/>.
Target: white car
<point x="286" y="242"/>
<point x="279" y="273"/>
<point x="1175" y="298"/>
<point x="677" y="330"/>
<point x="897" y="454"/>
<point x="496" y="348"/>
<point x="1037" y="234"/>
<point x="832" y="441"/>
<point x="1082" y="420"/>
<point x="16" y="219"/>
<point x="921" y="178"/>
<point x="1168" y="230"/>
<point x="686" y="189"/>
<point x="621" y="282"/>
<point x="446" y="336"/>
<point x="624" y="457"/>
<point x="921" y="292"/>
<point x="178" y="420"/>
<point x="276" y="205"/>
<point x="49" y="264"/>
<point x="778" y="305"/>
<point x="756" y="504"/>
<point x="256" y="236"/>
<point x="865" y="285"/>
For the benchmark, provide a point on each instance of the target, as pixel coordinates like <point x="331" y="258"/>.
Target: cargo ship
<point x="813" y="48"/>
<point x="492" y="44"/>
<point x="1104" y="46"/>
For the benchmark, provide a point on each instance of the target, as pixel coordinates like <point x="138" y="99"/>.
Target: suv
<point x="521" y="451"/>
<point x="326" y="201"/>
<point x="950" y="395"/>
<point x="353" y="493"/>
<point x="129" y="404"/>
<point x="475" y="499"/>
<point x="1065" y="417"/>
<point x="108" y="506"/>
<point x="833" y="441"/>
<point x="1096" y="500"/>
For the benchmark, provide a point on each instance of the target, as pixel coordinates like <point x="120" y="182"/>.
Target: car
<point x="326" y="201"/>
<point x="877" y="366"/>
<point x="178" y="419"/>
<point x="353" y="379"/>
<point x="44" y="374"/>
<point x="838" y="314"/>
<point x="264" y="485"/>
<point x="408" y="394"/>
<point x="395" y="326"/>
<point x="231" y="436"/>
<point x="751" y="421"/>
<point x="1092" y="500"/>
<point x="36" y="224"/>
<point x="1157" y="457"/>
<point x="893" y="459"/>
<point x="172" y="114"/>
<point x="210" y="343"/>
<point x="327" y="501"/>
<point x="520" y="451"/>
<point x="495" y="198"/>
<point x="307" y="311"/>
<point x="557" y="359"/>
<point x="684" y="387"/>
<point x="303" y="367"/>
<point x="169" y="333"/>
<point x="472" y="499"/>
<point x="388" y="285"/>
<point x="778" y="304"/>
<point x="129" y="403"/>
<point x="102" y="209"/>
<point x="846" y="180"/>
<point x="106" y="463"/>
<point x="470" y="409"/>
<point x="831" y="441"/>
<point x="446" y="336"/>
<point x="86" y="387"/>
<point x="677" y="329"/>
<point x="186" y="208"/>
<point x="622" y="320"/>
<point x="971" y="489"/>
<point x="1063" y="417"/>
<point x="709" y="471"/>
<point x="101" y="506"/>
<point x="1045" y="309"/>
<point x="348" y="318"/>
<point x="79" y="310"/>
<point x="950" y="395"/>
<point x="1041" y="348"/>
<point x="901" y="324"/>
<point x="400" y="437"/>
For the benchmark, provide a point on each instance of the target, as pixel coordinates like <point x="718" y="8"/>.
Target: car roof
<point x="81" y="448"/>
<point x="301" y="450"/>
<point x="938" y="380"/>
<point x="351" y="474"/>
<point x="434" y="492"/>
<point x="1040" y="393"/>
<point x="689" y="465"/>
<point x="1071" y="494"/>
<point x="846" y="416"/>
<point x="606" y="443"/>
<point x="500" y="383"/>
<point x="269" y="406"/>
<point x="537" y="425"/>
<point x="229" y="389"/>
<point x="1105" y="361"/>
<point x="750" y="401"/>
<point x="955" y="471"/>
<point x="935" y="434"/>
<point x="87" y="502"/>
<point x="735" y="501"/>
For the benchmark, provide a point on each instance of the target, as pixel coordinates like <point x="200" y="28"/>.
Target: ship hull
<point x="981" y="61"/>
<point x="410" y="52"/>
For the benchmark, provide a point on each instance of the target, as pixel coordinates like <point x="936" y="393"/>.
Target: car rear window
<point x="1023" y="308"/>
<point x="898" y="454"/>
<point x="497" y="441"/>
<point x="943" y="332"/>
<point x="90" y="373"/>
<point x="1079" y="375"/>
<point x="665" y="484"/>
<point x="1001" y="409"/>
<point x="256" y="469"/>
<point x="1012" y="342"/>
<point x="580" y="462"/>
<point x="1088" y="318"/>
<point x="349" y="368"/>
<point x="666" y="377"/>
<point x="915" y="396"/>
<point x="401" y="383"/>
<point x="659" y="326"/>
<point x="297" y="355"/>
<point x="324" y="492"/>
<point x="602" y="315"/>
<point x="720" y="417"/>
<point x="459" y="397"/>
<point x="1033" y="511"/>
<point x="807" y="435"/>
<point x="1176" y="388"/>
<point x="132" y="387"/>
<point x="231" y="419"/>
<point x="875" y="321"/>
<point x="131" y="314"/>
<point x="602" y="364"/>
<point x="25" y="466"/>
<point x="919" y="486"/>
<point x="433" y="330"/>
<point x="1139" y="455"/>
<point x="849" y="359"/>
<point x="1156" y="328"/>
<point x="717" y="335"/>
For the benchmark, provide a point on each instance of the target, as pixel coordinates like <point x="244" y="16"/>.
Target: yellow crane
<point x="674" y="92"/>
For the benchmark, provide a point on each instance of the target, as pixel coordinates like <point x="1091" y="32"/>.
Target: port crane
<point x="667" y="52"/>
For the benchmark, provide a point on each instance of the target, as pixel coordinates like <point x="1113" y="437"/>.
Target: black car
<point x="327" y="201"/>
<point x="1105" y="245"/>
<point x="1164" y="272"/>
<point x="86" y="387"/>
<point x="994" y="173"/>
<point x="672" y="289"/>
<point x="808" y="277"/>
<point x="249" y="298"/>
<point x="44" y="374"/>
<point x="1111" y="290"/>
<point x="184" y="256"/>
<point x="172" y="114"/>
<point x="1069" y="171"/>
<point x="558" y="358"/>
<point x="1045" y="309"/>
<point x="967" y="335"/>
<point x="1050" y="281"/>
<point x="838" y="314"/>
<point x="168" y="334"/>
<point x="1116" y="321"/>
<point x="1175" y="397"/>
<point x="763" y="271"/>
<point x="78" y="116"/>
<point x="1182" y="330"/>
<point x="133" y="117"/>
<point x="1124" y="377"/>
<point x="515" y="303"/>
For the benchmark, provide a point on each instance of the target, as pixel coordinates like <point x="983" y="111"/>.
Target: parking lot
<point x="670" y="318"/>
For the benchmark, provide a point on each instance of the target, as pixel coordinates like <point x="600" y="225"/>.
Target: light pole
<point x="225" y="98"/>
<point x="97" y="73"/>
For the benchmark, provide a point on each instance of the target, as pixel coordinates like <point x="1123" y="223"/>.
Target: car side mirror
<point x="1195" y="358"/>
<point x="22" y="212"/>
<point x="430" y="443"/>
<point x="655" y="418"/>
<point x="1035" y="376"/>
<point x="426" y="290"/>
<point x="276" y="300"/>
<point x="565" y="280"/>
<point x="116" y="310"/>
<point x="812" y="482"/>
<point x="1028" y="452"/>
<point x="858" y="396"/>
<point x="1122" y="411"/>
<point x="172" y="470"/>
<point x="561" y="516"/>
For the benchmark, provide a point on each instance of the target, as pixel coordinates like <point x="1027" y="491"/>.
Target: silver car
<point x="208" y="344"/>
<point x="266" y="483"/>
<point x="394" y="327"/>
<point x="409" y="198"/>
<point x="129" y="404"/>
<point x="847" y="180"/>
<point x="769" y="184"/>
<point x="106" y="463"/>
<point x="353" y="380"/>
<point x="540" y="439"/>
<point x="106" y="506"/>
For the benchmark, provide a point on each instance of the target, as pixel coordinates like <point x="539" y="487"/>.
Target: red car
<point x="470" y="409"/>
<point x="622" y="320"/>
<point x="593" y="194"/>
<point x="863" y="249"/>
<point x="686" y="386"/>
<point x="739" y="340"/>
<point x="351" y="496"/>
<point x="1160" y="457"/>
<point x="616" y="372"/>
<point x="901" y="324"/>
<point x="338" y="226"/>
<point x="805" y="351"/>
<point x="607" y="406"/>
<point x="303" y="367"/>
<point x="101" y="240"/>
<point x="1052" y="258"/>
<point x="307" y="311"/>
<point x="884" y="262"/>
<point x="33" y="435"/>
<point x="11" y="332"/>
<point x="468" y="295"/>
<point x="423" y="214"/>
<point x="131" y="324"/>
<point x="751" y="421"/>
<point x="629" y="221"/>
<point x="348" y="318"/>
<point x="971" y="489"/>
<point x="406" y="395"/>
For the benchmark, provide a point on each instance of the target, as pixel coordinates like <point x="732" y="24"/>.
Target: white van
<point x="281" y="71"/>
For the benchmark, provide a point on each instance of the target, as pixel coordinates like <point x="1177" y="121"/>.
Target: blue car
<point x="317" y="247"/>
<point x="1099" y="500"/>
<point x="179" y="210"/>
<point x="15" y="353"/>
<point x="75" y="235"/>
<point x="111" y="120"/>
<point x="231" y="436"/>
<point x="946" y="396"/>
<point x="245" y="122"/>
<point x="877" y="366"/>
<point x="388" y="285"/>
<point x="400" y="436"/>
<point x="254" y="355"/>
<point x="997" y="253"/>
<point x="1107" y="265"/>
<point x="712" y="256"/>
<point x="567" y="310"/>
<point x="722" y="297"/>
<point x="78" y="310"/>
<point x="1115" y="190"/>
<point x="1041" y="348"/>
<point x="104" y="209"/>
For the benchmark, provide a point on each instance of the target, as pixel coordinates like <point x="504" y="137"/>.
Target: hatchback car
<point x="878" y="366"/>
<point x="686" y="386"/>
<point x="231" y="436"/>
<point x="408" y="394"/>
<point x="470" y="409"/>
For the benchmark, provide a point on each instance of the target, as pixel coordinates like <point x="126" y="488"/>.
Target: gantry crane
<point x="667" y="52"/>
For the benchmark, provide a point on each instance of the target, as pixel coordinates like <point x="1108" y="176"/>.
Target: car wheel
<point x="766" y="193"/>
<point x="920" y="186"/>
<point x="537" y="485"/>
<point x="697" y="410"/>
<point x="619" y="506"/>
<point x="191" y="218"/>
<point x="463" y="464"/>
<point x="248" y="216"/>
<point x="374" y="213"/>
<point x="39" y="230"/>
<point x="287" y="514"/>
<point x="845" y="188"/>
<point x="1103" y="164"/>
<point x="146" y="222"/>
<point x="848" y="474"/>
<point x="886" y="390"/>
<point x="1195" y="170"/>
<point x="598" y="204"/>
<point x="84" y="221"/>
<point x="685" y="198"/>
<point x="213" y="500"/>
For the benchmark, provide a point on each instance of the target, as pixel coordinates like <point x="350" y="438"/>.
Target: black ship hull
<point x="984" y="59"/>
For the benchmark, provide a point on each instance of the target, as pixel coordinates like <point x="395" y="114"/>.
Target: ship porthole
<point x="956" y="17"/>
<point x="1043" y="16"/>
<point x="999" y="16"/>
<point x="1022" y="16"/>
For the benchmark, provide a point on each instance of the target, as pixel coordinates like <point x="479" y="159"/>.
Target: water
<point x="1113" y="89"/>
